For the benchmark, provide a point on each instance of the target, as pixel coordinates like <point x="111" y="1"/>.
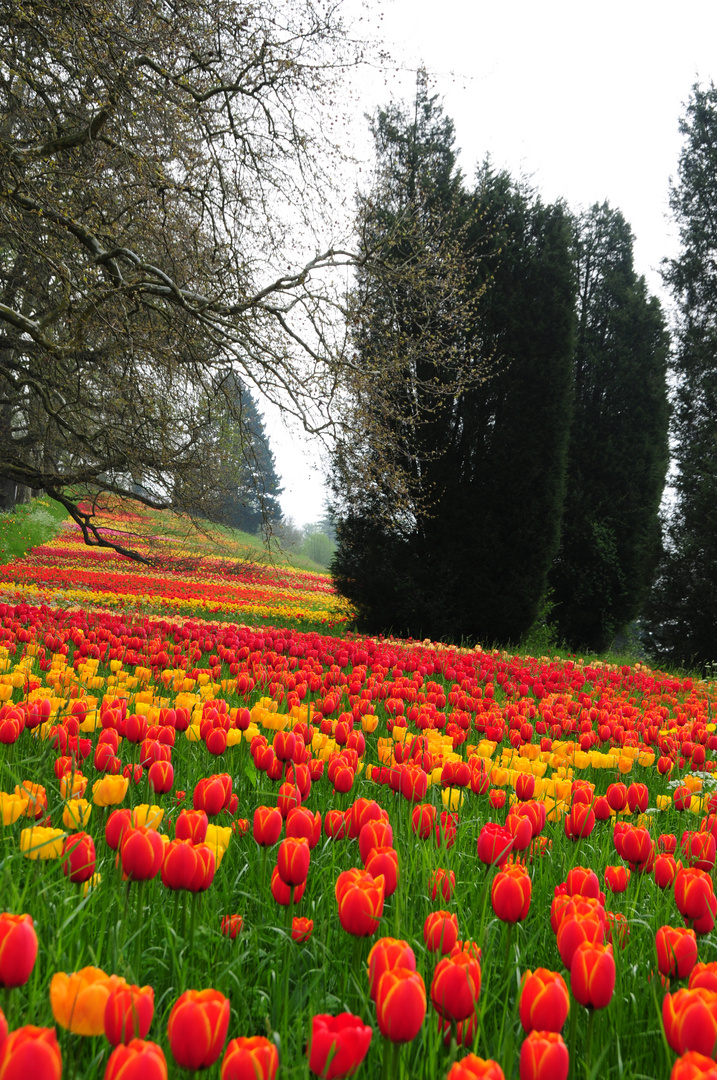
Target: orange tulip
<point x="79" y="1000"/>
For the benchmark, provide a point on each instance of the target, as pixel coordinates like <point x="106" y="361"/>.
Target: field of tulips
<point x="258" y="851"/>
<point x="203" y="580"/>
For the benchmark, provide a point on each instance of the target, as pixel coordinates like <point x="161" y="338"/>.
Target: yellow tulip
<point x="452" y="798"/>
<point x="76" y="814"/>
<point x="148" y="816"/>
<point x="79" y="783"/>
<point x="109" y="790"/>
<point x="12" y="807"/>
<point x="39" y="842"/>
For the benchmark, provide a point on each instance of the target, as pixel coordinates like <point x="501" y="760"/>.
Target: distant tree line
<point x="535" y="490"/>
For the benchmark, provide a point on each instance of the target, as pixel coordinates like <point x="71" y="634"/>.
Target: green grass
<point x="29" y="525"/>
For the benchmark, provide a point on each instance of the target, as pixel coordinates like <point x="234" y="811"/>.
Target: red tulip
<point x="282" y="893"/>
<point x="699" y="849"/>
<point x="360" y="899"/>
<point x="255" y="1058"/>
<point x="676" y="951"/>
<point x="704" y="975"/>
<point x="616" y="796"/>
<point x="617" y="878"/>
<point x="231" y="925"/>
<point x="496" y="798"/>
<point x="423" y="820"/>
<point x="78" y="853"/>
<point x="638" y="848"/>
<point x="268" y="824"/>
<point x="544" y="1001"/>
<point x="197" y="1028"/>
<point x="18" y="949"/>
<point x="440" y="931"/>
<point x="665" y="870"/>
<point x="142" y="853"/>
<point x="212" y="794"/>
<point x="525" y="786"/>
<point x="510" y="894"/>
<point x="138" y="1060"/>
<point x="117" y="824"/>
<point x="690" y="1019"/>
<point x="300" y="822"/>
<point x="544" y="1056"/>
<point x="179" y="866"/>
<point x="338" y="1045"/>
<point x="335" y="826"/>
<point x="581" y="881"/>
<point x="192" y="825"/>
<point x="161" y="776"/>
<point x="455" y="988"/>
<point x="443" y="881"/>
<point x="667" y="842"/>
<point x="287" y="799"/>
<point x="521" y="829"/>
<point x="682" y="797"/>
<point x="695" y="898"/>
<point x="473" y="1067"/>
<point x="446" y="827"/>
<point x="400" y="1004"/>
<point x="574" y="931"/>
<point x="694" y="1066"/>
<point x="637" y="798"/>
<point x="592" y="974"/>
<point x="31" y="1052"/>
<point x="374" y="834"/>
<point x="383" y="862"/>
<point x="293" y="859"/>
<point x="301" y="928"/>
<point x="495" y="844"/>
<point x="386" y="954"/>
<point x="580" y="822"/>
<point x="128" y="1013"/>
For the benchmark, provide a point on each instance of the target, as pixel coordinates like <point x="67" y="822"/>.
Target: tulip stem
<point x="507" y="985"/>
<point x="6" y="1005"/>
<point x="192" y="921"/>
<point x="138" y="943"/>
<point x="588" y="1043"/>
<point x="572" y="1040"/>
<point x="486" y="890"/>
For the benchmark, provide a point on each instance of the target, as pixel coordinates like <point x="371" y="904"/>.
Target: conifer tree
<point x="618" y="452"/>
<point x="683" y="605"/>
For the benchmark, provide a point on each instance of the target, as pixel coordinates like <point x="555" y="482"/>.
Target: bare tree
<point x="158" y="159"/>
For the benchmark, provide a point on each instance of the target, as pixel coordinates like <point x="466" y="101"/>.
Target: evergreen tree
<point x="250" y="485"/>
<point x="245" y="487"/>
<point x="468" y="557"/>
<point x="683" y="606"/>
<point x="618" y="450"/>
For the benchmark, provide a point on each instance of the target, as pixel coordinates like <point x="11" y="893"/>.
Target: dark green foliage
<point x="252" y="501"/>
<point x="618" y="450"/>
<point x="246" y="488"/>
<point x="469" y="558"/>
<point x="683" y="607"/>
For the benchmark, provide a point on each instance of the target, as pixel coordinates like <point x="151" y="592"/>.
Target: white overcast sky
<point x="583" y="99"/>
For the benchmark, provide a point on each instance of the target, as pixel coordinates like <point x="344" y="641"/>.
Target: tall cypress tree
<point x="618" y="450"/>
<point x="683" y="605"/>
<point x="471" y="562"/>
